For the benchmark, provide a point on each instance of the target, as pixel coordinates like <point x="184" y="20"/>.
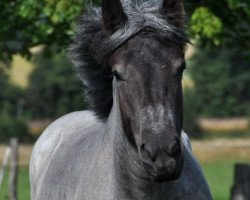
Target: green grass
<point x="220" y="177"/>
<point x="23" y="185"/>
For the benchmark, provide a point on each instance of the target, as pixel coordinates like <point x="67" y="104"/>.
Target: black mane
<point x="92" y="47"/>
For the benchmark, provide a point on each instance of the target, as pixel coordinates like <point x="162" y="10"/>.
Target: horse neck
<point x="131" y="179"/>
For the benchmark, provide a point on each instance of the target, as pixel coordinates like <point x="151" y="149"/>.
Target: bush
<point x="221" y="87"/>
<point x="190" y="125"/>
<point x="13" y="127"/>
<point x="54" y="89"/>
<point x="10" y="95"/>
<point x="221" y="80"/>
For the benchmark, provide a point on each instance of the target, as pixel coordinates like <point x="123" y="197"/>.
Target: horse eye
<point x="117" y="75"/>
<point x="182" y="68"/>
<point x="183" y="65"/>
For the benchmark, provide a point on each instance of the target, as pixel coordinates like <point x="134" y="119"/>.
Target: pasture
<point x="23" y="185"/>
<point x="217" y="158"/>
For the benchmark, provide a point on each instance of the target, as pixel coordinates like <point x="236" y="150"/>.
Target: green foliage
<point x="221" y="83"/>
<point x="12" y="127"/>
<point x="239" y="4"/>
<point x="204" y="24"/>
<point x="10" y="96"/>
<point x="53" y="89"/>
<point x="224" y="22"/>
<point x="27" y="23"/>
<point x="3" y="84"/>
<point x="190" y="114"/>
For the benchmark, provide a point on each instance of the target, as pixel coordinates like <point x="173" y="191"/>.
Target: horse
<point x="130" y="144"/>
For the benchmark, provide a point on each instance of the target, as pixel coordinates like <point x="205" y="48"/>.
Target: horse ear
<point x="173" y="10"/>
<point x="112" y="15"/>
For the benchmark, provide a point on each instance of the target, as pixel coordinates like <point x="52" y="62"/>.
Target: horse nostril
<point x="148" y="153"/>
<point x="175" y="149"/>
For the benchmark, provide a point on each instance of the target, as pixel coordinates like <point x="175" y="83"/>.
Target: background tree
<point x="10" y="97"/>
<point x="221" y="23"/>
<point x="222" y="83"/>
<point x="27" y="23"/>
<point x="54" y="89"/>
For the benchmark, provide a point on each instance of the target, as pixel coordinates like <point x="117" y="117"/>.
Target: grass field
<point x="23" y="185"/>
<point x="220" y="178"/>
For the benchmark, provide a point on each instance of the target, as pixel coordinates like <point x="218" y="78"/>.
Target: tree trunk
<point x="5" y="162"/>
<point x="13" y="169"/>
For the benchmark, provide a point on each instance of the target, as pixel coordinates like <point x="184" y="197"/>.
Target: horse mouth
<point x="159" y="178"/>
<point x="165" y="173"/>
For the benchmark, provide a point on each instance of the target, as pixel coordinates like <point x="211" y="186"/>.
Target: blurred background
<point x="38" y="83"/>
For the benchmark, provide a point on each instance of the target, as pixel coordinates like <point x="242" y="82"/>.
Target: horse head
<point x="148" y="69"/>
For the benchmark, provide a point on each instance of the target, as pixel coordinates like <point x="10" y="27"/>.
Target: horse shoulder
<point x="60" y="131"/>
<point x="192" y="176"/>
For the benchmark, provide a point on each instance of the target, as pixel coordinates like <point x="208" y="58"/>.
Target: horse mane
<point x="92" y="47"/>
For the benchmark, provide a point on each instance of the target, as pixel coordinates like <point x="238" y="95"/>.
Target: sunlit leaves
<point x="204" y="24"/>
<point x="243" y="5"/>
<point x="26" y="23"/>
<point x="63" y="10"/>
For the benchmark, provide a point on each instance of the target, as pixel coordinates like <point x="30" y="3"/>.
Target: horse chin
<point x="165" y="175"/>
<point x="161" y="178"/>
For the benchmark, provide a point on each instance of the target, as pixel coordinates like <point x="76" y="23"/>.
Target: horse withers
<point x="130" y="145"/>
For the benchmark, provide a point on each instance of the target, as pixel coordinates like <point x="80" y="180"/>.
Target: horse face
<point x="149" y="70"/>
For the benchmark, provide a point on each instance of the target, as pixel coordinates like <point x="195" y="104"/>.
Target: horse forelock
<point x="92" y="47"/>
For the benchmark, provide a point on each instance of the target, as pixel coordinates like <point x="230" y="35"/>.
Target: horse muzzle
<point x="170" y="170"/>
<point x="163" y="165"/>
